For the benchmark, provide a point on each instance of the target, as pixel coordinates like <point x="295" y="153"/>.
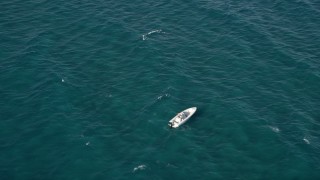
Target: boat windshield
<point x="183" y="115"/>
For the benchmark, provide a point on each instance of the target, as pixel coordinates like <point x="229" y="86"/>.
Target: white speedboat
<point x="182" y="117"/>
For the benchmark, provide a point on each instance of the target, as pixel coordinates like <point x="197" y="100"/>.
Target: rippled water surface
<point x="87" y="89"/>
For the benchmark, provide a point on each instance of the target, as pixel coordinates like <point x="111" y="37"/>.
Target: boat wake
<point x="137" y="116"/>
<point x="161" y="96"/>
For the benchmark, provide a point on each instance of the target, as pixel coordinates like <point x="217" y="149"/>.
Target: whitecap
<point x="140" y="167"/>
<point x="275" y="129"/>
<point x="170" y="165"/>
<point x="87" y="144"/>
<point x="306" y="140"/>
<point x="62" y="80"/>
<point x="145" y="36"/>
<point x="154" y="31"/>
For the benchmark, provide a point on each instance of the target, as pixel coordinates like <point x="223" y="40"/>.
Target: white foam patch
<point x="145" y="36"/>
<point x="140" y="167"/>
<point x="62" y="80"/>
<point x="87" y="144"/>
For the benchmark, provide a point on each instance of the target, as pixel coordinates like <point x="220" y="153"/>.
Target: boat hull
<point x="182" y="117"/>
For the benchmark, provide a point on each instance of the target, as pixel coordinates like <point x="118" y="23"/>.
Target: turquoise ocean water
<point x="87" y="89"/>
